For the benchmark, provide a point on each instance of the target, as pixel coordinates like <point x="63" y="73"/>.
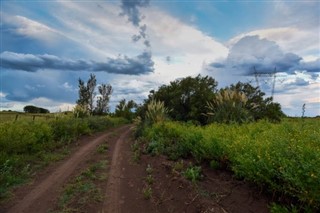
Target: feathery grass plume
<point x="156" y="112"/>
<point x="80" y="111"/>
<point x="229" y="106"/>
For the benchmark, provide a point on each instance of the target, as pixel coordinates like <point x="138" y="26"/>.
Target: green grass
<point x="283" y="158"/>
<point x="26" y="146"/>
<point x="193" y="173"/>
<point x="20" y="116"/>
<point x="82" y="190"/>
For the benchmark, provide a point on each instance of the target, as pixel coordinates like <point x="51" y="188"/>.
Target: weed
<point x="136" y="156"/>
<point x="149" y="169"/>
<point x="147" y="192"/>
<point x="178" y="166"/>
<point x="102" y="148"/>
<point x="149" y="179"/>
<point x="193" y="173"/>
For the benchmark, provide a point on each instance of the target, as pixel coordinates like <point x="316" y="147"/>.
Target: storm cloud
<point x="252" y="55"/>
<point x="140" y="64"/>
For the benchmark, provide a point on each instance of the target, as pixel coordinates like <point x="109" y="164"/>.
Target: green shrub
<point x="284" y="158"/>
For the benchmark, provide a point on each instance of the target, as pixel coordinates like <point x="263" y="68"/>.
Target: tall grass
<point x="283" y="158"/>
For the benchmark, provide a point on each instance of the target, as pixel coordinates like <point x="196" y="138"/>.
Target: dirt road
<point x="135" y="182"/>
<point x="39" y="196"/>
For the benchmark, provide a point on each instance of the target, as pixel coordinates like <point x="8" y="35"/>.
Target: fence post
<point x="17" y="115"/>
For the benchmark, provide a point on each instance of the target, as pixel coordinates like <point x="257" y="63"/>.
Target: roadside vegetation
<point x="237" y="129"/>
<point x="28" y="145"/>
<point x="31" y="140"/>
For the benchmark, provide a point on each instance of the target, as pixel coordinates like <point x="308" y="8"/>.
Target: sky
<point x="139" y="45"/>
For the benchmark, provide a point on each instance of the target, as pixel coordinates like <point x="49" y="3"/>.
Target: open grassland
<point x="20" y="116"/>
<point x="26" y="145"/>
<point x="282" y="158"/>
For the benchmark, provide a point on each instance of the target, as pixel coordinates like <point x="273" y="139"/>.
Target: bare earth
<point x="124" y="189"/>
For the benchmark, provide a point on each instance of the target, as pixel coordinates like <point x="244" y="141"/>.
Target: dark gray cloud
<point x="140" y="64"/>
<point x="312" y="66"/>
<point x="254" y="55"/>
<point x="130" y="8"/>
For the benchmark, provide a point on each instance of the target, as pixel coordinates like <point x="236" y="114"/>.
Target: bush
<point x="284" y="158"/>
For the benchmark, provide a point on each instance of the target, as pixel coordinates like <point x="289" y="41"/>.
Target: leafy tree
<point x="91" y="85"/>
<point x="83" y="100"/>
<point x="126" y="109"/>
<point x="259" y="107"/>
<point x="186" y="98"/>
<point x="34" y="109"/>
<point x="105" y="91"/>
<point x="87" y="96"/>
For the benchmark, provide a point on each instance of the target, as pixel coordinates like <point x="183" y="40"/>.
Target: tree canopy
<point x="186" y="98"/>
<point x="87" y="96"/>
<point x="34" y="109"/>
<point x="197" y="99"/>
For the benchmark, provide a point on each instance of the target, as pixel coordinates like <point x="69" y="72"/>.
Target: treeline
<point x="34" y="109"/>
<point x="197" y="100"/>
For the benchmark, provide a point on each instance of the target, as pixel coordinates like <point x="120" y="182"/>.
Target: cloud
<point x="140" y="64"/>
<point x="23" y="26"/>
<point x="251" y="54"/>
<point x="130" y="8"/>
<point x="290" y="39"/>
<point x="311" y="66"/>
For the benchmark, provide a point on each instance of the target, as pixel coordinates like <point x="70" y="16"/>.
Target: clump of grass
<point x="135" y="147"/>
<point x="102" y="148"/>
<point x="193" y="173"/>
<point x="149" y="179"/>
<point x="149" y="169"/>
<point x="178" y="166"/>
<point x="147" y="192"/>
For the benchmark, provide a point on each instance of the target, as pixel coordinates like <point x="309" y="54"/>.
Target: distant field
<point x="19" y="116"/>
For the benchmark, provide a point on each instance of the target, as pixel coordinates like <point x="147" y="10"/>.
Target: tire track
<point x="112" y="202"/>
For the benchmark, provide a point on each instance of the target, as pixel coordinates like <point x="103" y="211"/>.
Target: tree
<point x="87" y="94"/>
<point x="87" y="97"/>
<point x="103" y="101"/>
<point x="186" y="98"/>
<point x="259" y="106"/>
<point x="34" y="109"/>
<point x="126" y="109"/>
<point x="83" y="100"/>
<point x="91" y="85"/>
